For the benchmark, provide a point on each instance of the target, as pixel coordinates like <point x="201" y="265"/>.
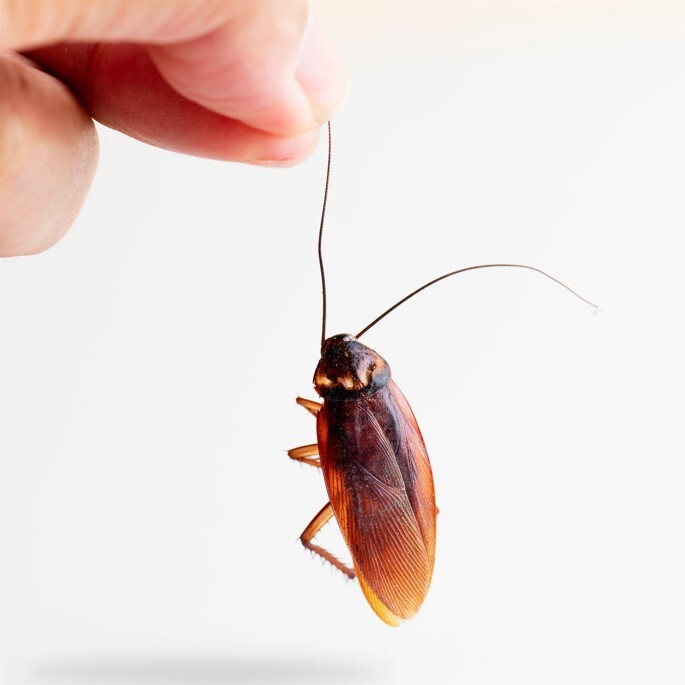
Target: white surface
<point x="151" y="361"/>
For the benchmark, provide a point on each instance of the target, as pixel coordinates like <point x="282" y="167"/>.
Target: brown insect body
<point x="375" y="464"/>
<point x="378" y="477"/>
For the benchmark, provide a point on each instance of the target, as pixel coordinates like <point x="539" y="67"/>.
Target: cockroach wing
<point x="380" y="486"/>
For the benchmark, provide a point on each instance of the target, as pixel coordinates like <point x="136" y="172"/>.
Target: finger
<point x="48" y="156"/>
<point x="264" y="63"/>
<point x="120" y="86"/>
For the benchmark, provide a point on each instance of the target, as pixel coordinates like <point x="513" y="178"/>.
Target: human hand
<point x="240" y="80"/>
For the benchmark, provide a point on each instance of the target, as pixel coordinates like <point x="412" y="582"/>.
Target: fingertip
<point x="274" y="68"/>
<point x="287" y="152"/>
<point x="320" y="71"/>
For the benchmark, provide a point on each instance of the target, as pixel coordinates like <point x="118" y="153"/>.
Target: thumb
<point x="267" y="64"/>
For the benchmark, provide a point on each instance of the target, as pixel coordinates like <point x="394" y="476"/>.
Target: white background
<point x="151" y="361"/>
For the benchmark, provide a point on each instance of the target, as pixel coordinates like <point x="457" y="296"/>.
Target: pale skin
<point x="237" y="80"/>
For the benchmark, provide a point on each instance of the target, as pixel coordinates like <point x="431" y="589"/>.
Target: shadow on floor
<point x="244" y="670"/>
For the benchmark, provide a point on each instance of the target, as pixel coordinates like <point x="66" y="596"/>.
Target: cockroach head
<point x="348" y="370"/>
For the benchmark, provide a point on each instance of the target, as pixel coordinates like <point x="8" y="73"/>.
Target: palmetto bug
<point x="375" y="464"/>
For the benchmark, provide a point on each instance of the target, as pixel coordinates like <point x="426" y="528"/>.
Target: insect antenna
<point x="472" y="268"/>
<point x="323" y="216"/>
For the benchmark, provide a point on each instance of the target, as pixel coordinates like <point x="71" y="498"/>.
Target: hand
<point x="241" y="80"/>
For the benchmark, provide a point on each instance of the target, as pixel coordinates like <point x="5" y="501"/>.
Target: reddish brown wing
<point x="380" y="486"/>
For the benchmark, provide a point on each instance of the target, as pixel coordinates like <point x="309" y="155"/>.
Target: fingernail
<point x="289" y="151"/>
<point x="320" y="71"/>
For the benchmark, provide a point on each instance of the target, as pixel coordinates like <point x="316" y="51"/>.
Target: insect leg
<point x="305" y="454"/>
<point x="311" y="406"/>
<point x="317" y="523"/>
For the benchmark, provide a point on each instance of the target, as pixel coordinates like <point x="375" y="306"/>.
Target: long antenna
<point x="323" y="215"/>
<point x="472" y="268"/>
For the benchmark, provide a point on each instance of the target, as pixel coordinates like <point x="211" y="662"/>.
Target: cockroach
<point x="375" y="463"/>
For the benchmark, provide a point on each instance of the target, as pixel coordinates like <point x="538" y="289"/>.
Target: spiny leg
<point x="317" y="523"/>
<point x="310" y="405"/>
<point x="306" y="454"/>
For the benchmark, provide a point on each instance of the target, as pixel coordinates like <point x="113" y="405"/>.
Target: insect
<point x="375" y="464"/>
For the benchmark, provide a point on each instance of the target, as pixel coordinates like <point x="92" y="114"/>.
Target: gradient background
<point x="151" y="360"/>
